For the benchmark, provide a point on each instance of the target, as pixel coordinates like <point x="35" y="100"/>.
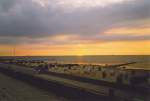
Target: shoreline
<point x="53" y="85"/>
<point x="66" y="91"/>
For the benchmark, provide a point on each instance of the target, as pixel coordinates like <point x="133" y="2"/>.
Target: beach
<point x="68" y="81"/>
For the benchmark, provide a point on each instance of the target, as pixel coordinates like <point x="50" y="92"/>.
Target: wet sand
<point x="15" y="90"/>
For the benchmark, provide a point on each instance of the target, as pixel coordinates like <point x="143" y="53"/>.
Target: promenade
<point x="16" y="90"/>
<point x="76" y="88"/>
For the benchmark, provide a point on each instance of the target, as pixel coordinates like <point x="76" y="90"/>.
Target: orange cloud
<point x="130" y="31"/>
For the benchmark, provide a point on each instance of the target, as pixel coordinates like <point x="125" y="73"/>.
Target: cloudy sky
<point x="74" y="27"/>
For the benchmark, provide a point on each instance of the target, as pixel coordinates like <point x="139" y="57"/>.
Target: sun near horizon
<point x="111" y="48"/>
<point x="74" y="27"/>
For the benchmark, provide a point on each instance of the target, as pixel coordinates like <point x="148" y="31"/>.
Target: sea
<point x="142" y="61"/>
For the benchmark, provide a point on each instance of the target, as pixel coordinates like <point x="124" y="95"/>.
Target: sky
<point x="74" y="27"/>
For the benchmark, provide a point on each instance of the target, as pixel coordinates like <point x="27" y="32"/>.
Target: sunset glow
<point x="111" y="48"/>
<point x="74" y="27"/>
<point x="130" y="31"/>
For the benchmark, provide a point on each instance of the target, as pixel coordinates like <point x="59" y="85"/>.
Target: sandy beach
<point x="14" y="90"/>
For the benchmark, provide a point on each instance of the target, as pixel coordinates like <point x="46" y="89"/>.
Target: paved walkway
<point x="89" y="87"/>
<point x="14" y="90"/>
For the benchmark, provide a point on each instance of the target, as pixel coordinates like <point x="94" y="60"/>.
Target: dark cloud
<point x="6" y="5"/>
<point x="24" y="18"/>
<point x="71" y="41"/>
